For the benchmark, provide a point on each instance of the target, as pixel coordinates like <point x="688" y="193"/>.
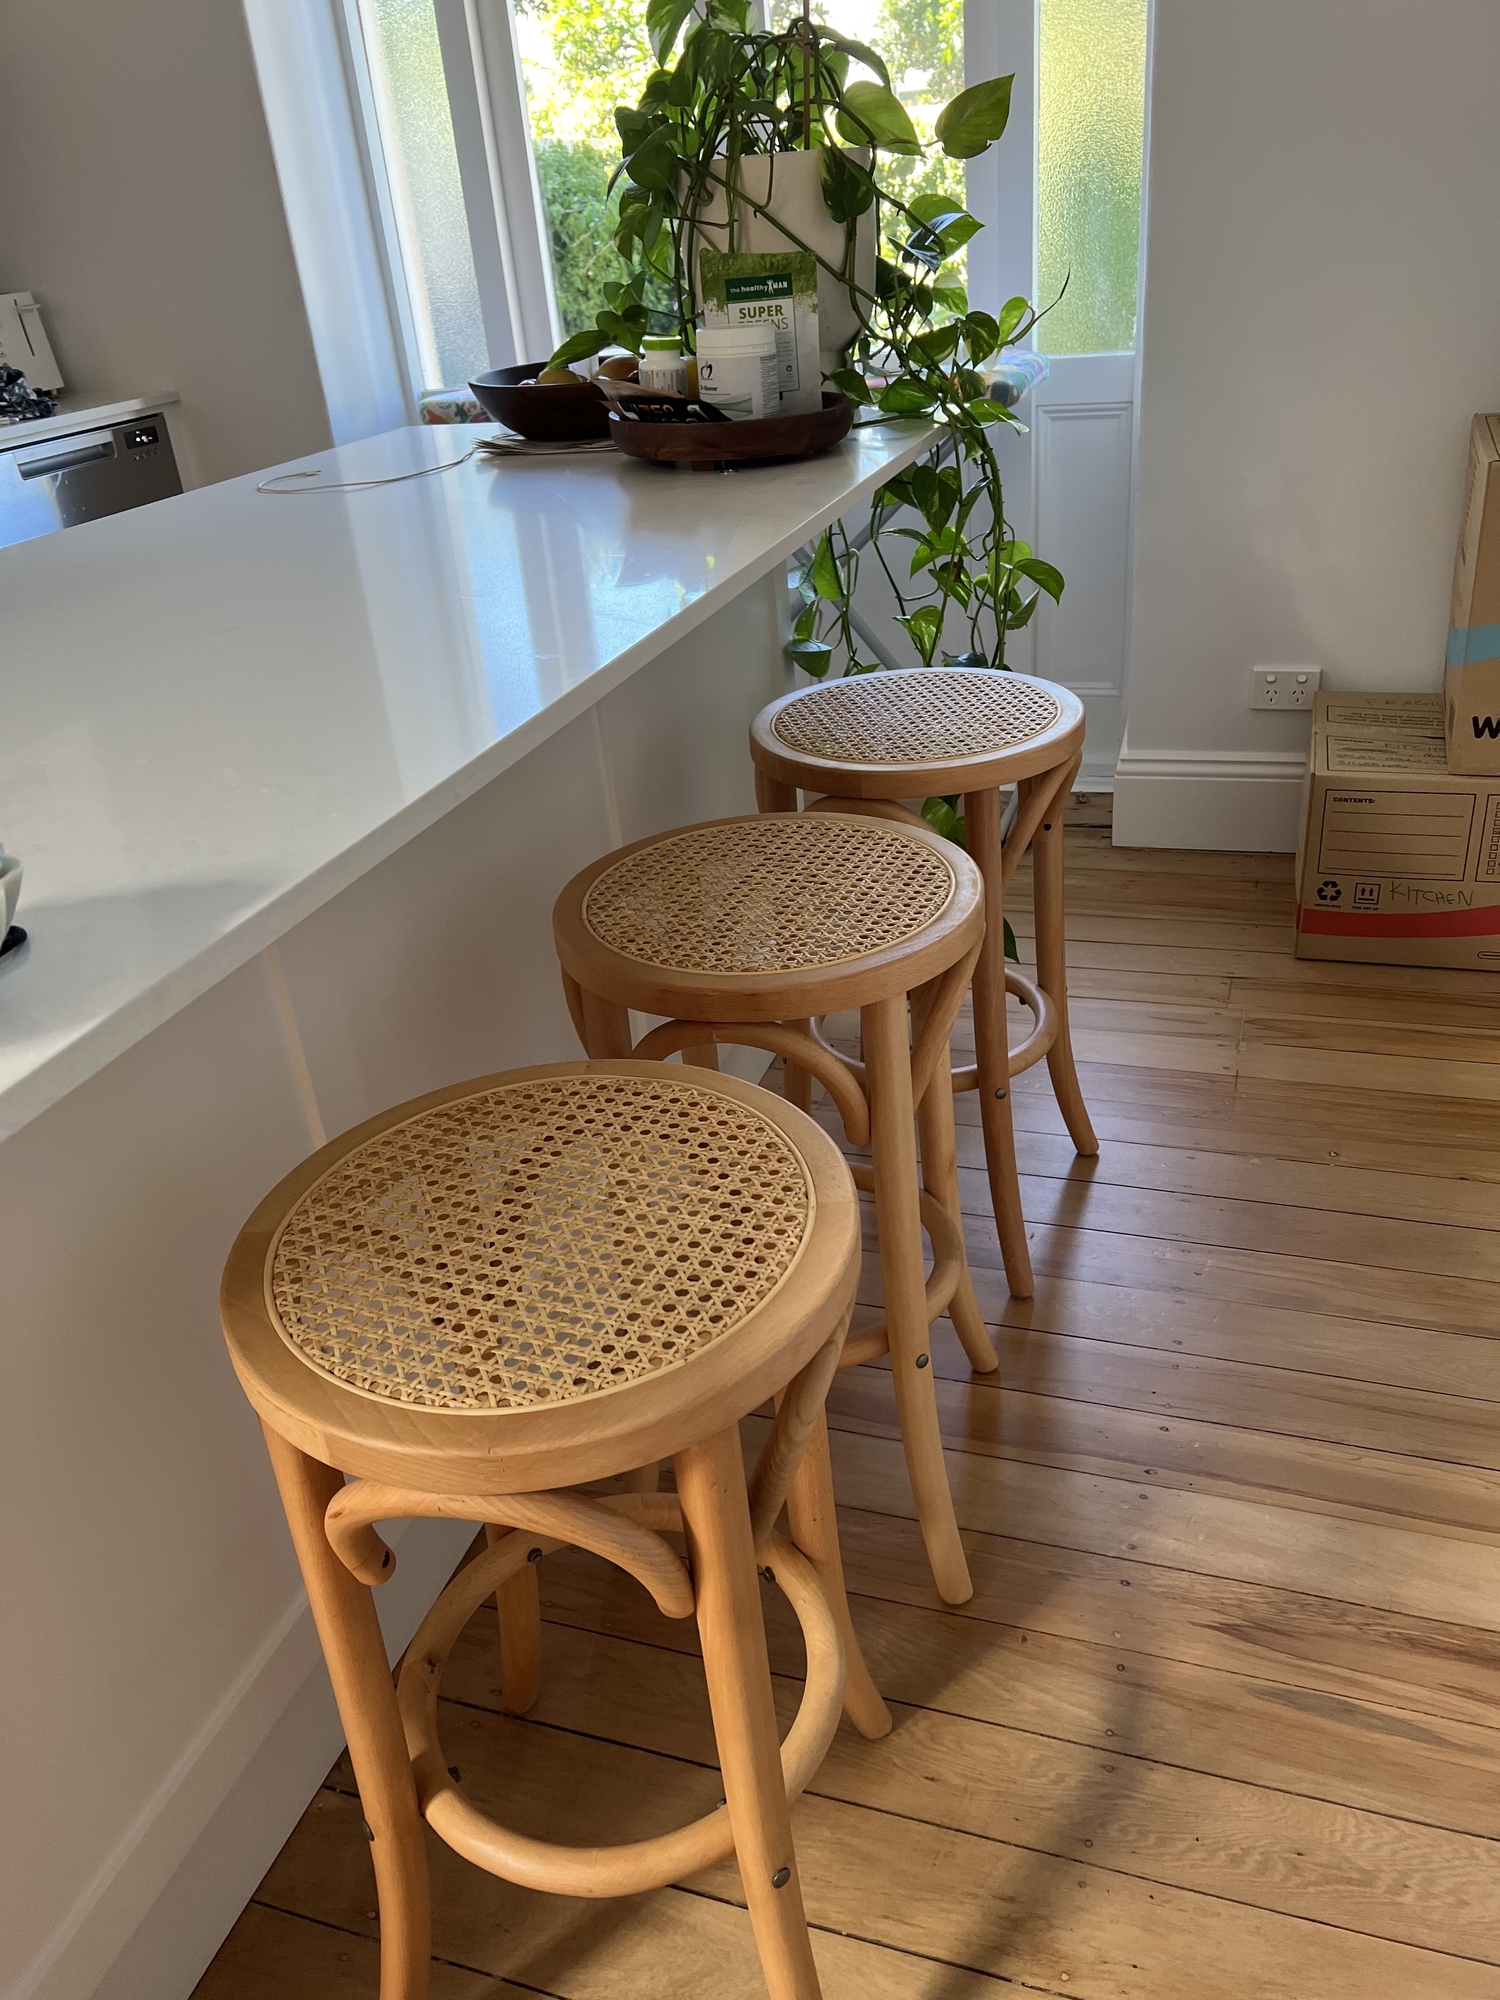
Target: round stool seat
<point x="914" y="730"/>
<point x="468" y="1291"/>
<point x="500" y="1293"/>
<point x="761" y="918"/>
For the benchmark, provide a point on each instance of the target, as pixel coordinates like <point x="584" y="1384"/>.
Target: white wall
<point x="1322" y="318"/>
<point x="142" y="208"/>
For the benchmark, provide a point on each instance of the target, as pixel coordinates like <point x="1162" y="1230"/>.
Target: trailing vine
<point x="725" y="91"/>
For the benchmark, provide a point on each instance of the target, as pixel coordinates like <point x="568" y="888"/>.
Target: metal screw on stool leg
<point x="780" y="1879"/>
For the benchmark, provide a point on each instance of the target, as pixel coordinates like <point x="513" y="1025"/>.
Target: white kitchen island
<point x="296" y="778"/>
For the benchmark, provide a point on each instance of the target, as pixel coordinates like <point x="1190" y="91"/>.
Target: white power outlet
<point x="1284" y="687"/>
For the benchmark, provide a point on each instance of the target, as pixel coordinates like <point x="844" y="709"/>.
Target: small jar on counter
<point x="663" y="364"/>
<point x="738" y="371"/>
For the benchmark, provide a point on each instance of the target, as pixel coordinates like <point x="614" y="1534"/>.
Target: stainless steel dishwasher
<point x="56" y="482"/>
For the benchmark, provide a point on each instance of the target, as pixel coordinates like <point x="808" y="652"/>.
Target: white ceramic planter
<point x="790" y="187"/>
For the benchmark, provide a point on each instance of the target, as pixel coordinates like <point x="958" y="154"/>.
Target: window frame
<point x="497" y="174"/>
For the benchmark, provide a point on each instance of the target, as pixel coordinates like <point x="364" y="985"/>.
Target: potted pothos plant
<point x="724" y="96"/>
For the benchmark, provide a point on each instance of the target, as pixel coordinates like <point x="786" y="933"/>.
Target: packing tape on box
<point x="1468" y="645"/>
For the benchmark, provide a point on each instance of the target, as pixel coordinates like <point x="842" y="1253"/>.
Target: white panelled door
<point x="1071" y="476"/>
<point x="1077" y="513"/>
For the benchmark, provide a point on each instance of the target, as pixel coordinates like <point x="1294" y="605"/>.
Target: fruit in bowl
<point x="549" y="405"/>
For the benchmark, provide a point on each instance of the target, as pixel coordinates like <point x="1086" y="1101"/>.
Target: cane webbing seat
<point x="541" y="1241"/>
<point x="485" y="1303"/>
<point x="768" y="895"/>
<point x="761" y="919"/>
<point x="915" y="717"/>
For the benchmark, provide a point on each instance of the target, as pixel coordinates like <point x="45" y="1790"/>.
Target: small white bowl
<point x="10" y="890"/>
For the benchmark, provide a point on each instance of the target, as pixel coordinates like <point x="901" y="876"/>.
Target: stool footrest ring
<point x="635" y="1866"/>
<point x="948" y="1266"/>
<point x="1036" y="1045"/>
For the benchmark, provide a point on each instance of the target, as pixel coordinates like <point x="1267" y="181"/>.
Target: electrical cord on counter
<point x="276" y="483"/>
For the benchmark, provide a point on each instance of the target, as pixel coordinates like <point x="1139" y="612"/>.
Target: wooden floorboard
<point x="1222" y="1719"/>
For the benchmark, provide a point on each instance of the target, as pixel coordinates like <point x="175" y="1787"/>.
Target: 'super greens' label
<point x="771" y="288"/>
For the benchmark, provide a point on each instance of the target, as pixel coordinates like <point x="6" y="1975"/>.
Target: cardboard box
<point x="1471" y="682"/>
<point x="1399" y="861"/>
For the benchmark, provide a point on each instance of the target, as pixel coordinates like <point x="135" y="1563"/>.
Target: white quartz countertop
<point x="220" y="710"/>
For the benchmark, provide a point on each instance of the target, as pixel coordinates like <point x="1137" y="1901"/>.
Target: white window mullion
<point x="487" y="100"/>
<point x="1000" y="37"/>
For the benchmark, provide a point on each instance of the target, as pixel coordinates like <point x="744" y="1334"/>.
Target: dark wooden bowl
<point x="739" y="443"/>
<point x="552" y="414"/>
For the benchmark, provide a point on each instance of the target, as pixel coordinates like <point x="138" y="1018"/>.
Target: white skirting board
<point x="1232" y="800"/>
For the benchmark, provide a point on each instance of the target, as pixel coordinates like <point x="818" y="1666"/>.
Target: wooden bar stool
<point x="515" y="1286"/>
<point x="746" y="931"/>
<point x="868" y="742"/>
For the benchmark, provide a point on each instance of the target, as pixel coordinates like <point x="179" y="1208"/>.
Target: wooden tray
<point x="740" y="443"/>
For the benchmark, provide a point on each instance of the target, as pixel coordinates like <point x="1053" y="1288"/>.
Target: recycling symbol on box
<point x="1329" y="892"/>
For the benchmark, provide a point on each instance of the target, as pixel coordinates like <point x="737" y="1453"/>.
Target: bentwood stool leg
<point x="897" y="1212"/>
<point x="721" y="1549"/>
<point x="771" y="796"/>
<point x="1052" y="966"/>
<point x="519" y="1603"/>
<point x="992" y="1044"/>
<point x="814" y="1526"/>
<point x="344" y="1613"/>
<point x="935" y="1127"/>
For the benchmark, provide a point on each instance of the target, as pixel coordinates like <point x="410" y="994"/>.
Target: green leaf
<point x="632" y="126"/>
<point x="1010" y="941"/>
<point x="1050" y="579"/>
<point x="871" y="115"/>
<point x="984" y="410"/>
<point x="970" y="662"/>
<point x="890" y="280"/>
<point x="981" y="335"/>
<point x="579" y="346"/>
<point x="1011" y="315"/>
<point x="906" y="398"/>
<point x="951" y="298"/>
<point x="924" y="627"/>
<point x="943" y="542"/>
<point x="684" y="82"/>
<point x="941" y="817"/>
<point x="975" y="118"/>
<point x="860" y="54"/>
<point x="934" y="346"/>
<point x="898" y="492"/>
<point x="826" y="580"/>
<point x="849" y="382"/>
<point x="946" y="218"/>
<point x="734" y="14"/>
<point x="664" y="19"/>
<point x="653" y="164"/>
<point x="932" y="493"/>
<point x="1014" y="620"/>
<point x="807" y="623"/>
<point x="846" y="191"/>
<point x="813" y="656"/>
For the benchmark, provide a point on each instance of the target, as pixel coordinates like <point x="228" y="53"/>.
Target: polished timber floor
<point x="1222" y="1720"/>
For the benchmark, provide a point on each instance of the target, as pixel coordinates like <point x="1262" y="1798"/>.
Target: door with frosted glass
<point x="1061" y="196"/>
